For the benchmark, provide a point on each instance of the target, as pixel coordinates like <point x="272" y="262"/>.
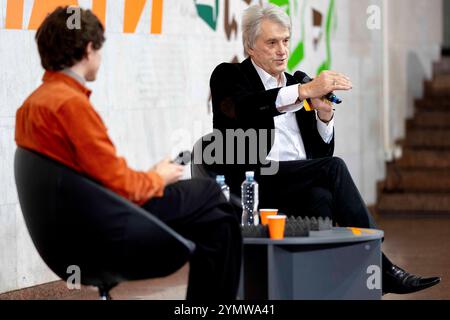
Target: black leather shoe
<point x="397" y="280"/>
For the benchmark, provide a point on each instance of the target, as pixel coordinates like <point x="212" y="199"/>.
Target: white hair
<point x="252" y="18"/>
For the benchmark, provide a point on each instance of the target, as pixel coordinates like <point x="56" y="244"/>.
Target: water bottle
<point x="223" y="186"/>
<point x="249" y="200"/>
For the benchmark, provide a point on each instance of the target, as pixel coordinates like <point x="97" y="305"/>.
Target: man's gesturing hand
<point x="169" y="171"/>
<point x="325" y="83"/>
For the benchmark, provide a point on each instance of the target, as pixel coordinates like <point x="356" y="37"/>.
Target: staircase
<point x="419" y="182"/>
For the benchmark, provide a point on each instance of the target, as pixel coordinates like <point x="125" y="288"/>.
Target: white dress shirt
<point x="288" y="143"/>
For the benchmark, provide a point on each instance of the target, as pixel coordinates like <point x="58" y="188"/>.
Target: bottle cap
<point x="249" y="174"/>
<point x="220" y="178"/>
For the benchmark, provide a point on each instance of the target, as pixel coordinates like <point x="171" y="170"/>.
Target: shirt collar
<point x="266" y="78"/>
<point x="67" y="79"/>
<point x="74" y="75"/>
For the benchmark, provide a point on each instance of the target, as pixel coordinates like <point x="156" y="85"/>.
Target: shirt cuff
<point x="325" y="129"/>
<point x="287" y="99"/>
<point x="158" y="182"/>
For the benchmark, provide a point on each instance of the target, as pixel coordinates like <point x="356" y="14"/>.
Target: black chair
<point x="201" y="170"/>
<point x="73" y="220"/>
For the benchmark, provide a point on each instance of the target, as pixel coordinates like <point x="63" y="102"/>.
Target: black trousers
<point x="198" y="210"/>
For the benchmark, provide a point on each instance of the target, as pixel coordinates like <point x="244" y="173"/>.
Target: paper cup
<point x="276" y="226"/>
<point x="264" y="213"/>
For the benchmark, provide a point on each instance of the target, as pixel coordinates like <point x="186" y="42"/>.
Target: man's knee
<point x="338" y="162"/>
<point x="206" y="186"/>
<point x="209" y="189"/>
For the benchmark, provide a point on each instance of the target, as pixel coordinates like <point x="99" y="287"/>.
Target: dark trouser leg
<point x="320" y="202"/>
<point x="215" y="265"/>
<point x="350" y="207"/>
<point x="315" y="202"/>
<point x="197" y="210"/>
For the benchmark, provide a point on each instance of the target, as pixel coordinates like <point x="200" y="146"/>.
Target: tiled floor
<point x="419" y="245"/>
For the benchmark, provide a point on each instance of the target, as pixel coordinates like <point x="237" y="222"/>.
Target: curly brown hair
<point x="61" y="47"/>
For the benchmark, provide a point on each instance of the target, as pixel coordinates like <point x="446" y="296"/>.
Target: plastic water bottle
<point x="225" y="189"/>
<point x="249" y="200"/>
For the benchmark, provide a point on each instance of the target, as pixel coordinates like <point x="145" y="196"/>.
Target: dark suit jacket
<point x="240" y="101"/>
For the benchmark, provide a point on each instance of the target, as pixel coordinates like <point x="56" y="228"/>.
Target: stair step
<point x="428" y="138"/>
<point x="421" y="180"/>
<point x="430" y="120"/>
<point x="414" y="202"/>
<point x="441" y="67"/>
<point x="438" y="87"/>
<point x="433" y="105"/>
<point x="413" y="158"/>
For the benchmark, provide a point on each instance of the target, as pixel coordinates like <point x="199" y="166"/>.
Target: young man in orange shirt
<point x="58" y="121"/>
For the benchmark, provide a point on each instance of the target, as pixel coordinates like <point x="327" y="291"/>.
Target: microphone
<point x="304" y="78"/>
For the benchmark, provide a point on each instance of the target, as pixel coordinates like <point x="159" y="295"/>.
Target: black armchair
<point x="201" y="170"/>
<point x="73" y="220"/>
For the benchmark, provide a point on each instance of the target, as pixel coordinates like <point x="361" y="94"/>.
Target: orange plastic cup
<point x="276" y="226"/>
<point x="264" y="213"/>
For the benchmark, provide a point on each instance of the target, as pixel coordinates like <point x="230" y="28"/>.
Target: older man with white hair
<point x="258" y="94"/>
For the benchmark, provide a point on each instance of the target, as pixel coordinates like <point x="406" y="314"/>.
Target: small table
<point x="341" y="263"/>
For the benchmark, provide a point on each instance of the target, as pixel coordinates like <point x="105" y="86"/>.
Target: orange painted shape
<point x="133" y="12"/>
<point x="43" y="7"/>
<point x="99" y="9"/>
<point x="14" y="14"/>
<point x="157" y="14"/>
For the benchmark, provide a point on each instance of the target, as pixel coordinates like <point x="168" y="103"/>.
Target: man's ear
<point x="89" y="49"/>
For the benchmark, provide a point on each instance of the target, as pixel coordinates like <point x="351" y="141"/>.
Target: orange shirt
<point x="58" y="120"/>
